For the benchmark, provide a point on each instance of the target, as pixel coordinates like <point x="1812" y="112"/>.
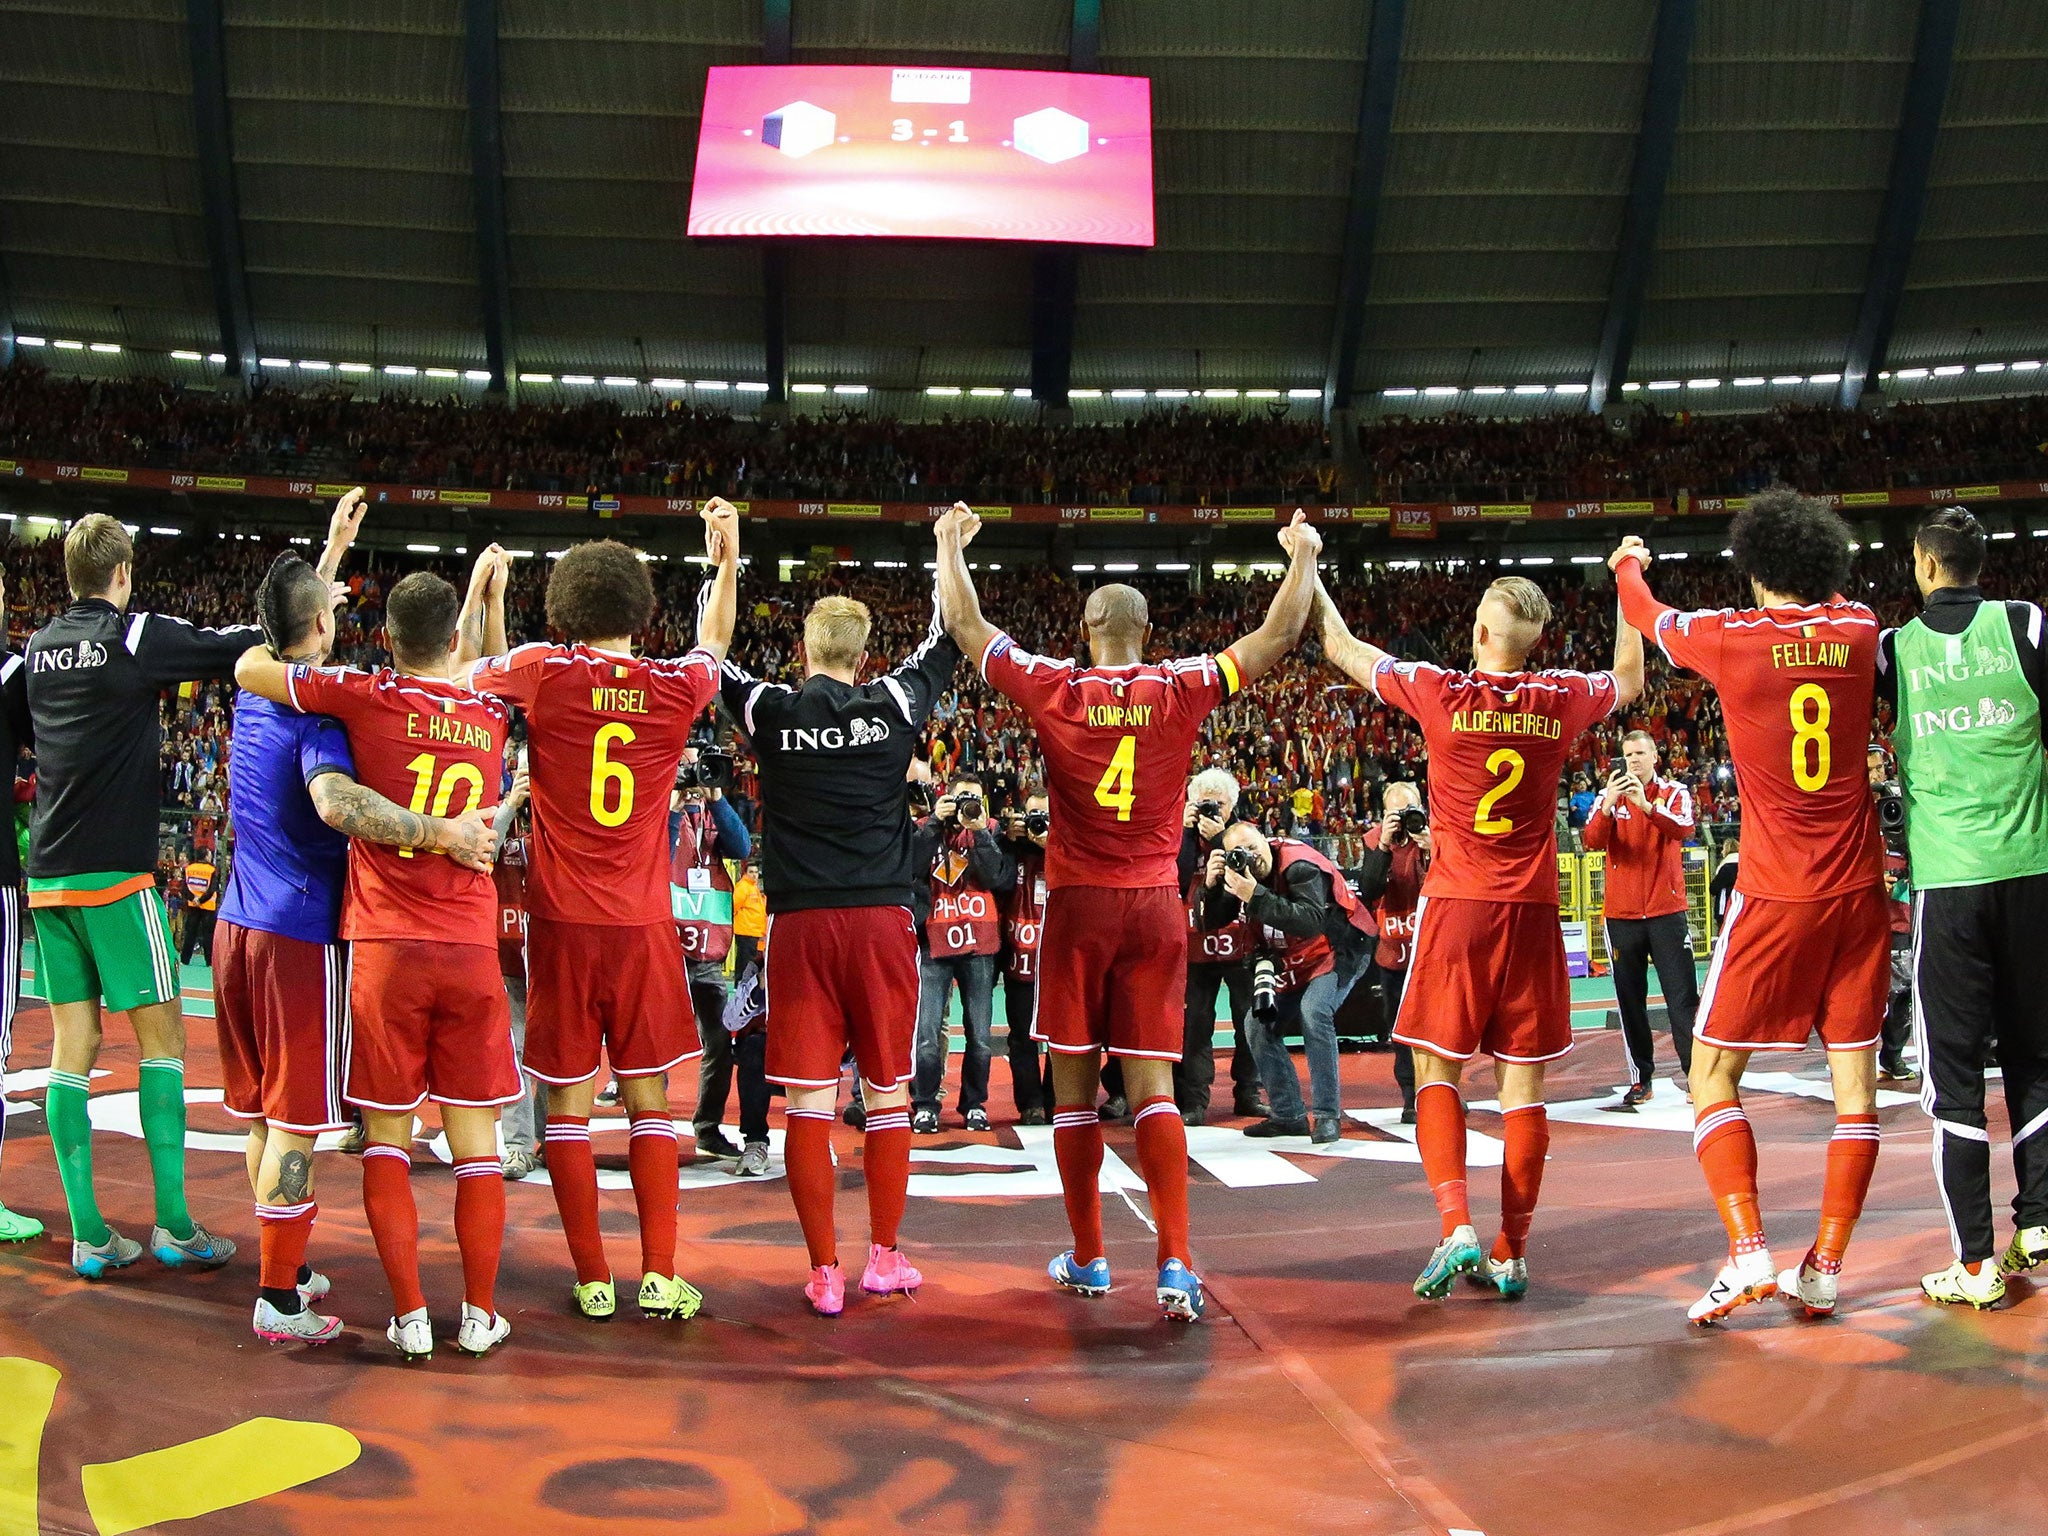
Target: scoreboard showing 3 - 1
<point x="960" y="154"/>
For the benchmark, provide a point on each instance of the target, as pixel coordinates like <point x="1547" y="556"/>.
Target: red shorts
<point x="1487" y="976"/>
<point x="1784" y="969"/>
<point x="429" y="1021"/>
<point x="281" y="1011"/>
<point x="595" y="991"/>
<point x="839" y="977"/>
<point x="1112" y="971"/>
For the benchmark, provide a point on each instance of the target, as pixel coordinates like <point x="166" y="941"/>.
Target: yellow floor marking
<point x="237" y="1466"/>
<point x="27" y="1389"/>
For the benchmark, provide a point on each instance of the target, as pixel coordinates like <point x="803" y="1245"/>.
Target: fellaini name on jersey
<point x="1500" y="722"/>
<point x="449" y="728"/>
<point x="1810" y="653"/>
<point x="1121" y="717"/>
<point x="619" y="701"/>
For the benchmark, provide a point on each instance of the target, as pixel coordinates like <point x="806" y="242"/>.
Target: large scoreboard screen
<point x="954" y="154"/>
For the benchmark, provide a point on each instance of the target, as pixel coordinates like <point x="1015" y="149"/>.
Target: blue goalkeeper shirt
<point x="289" y="865"/>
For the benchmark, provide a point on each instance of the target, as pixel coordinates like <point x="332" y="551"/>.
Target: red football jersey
<point x="1498" y="743"/>
<point x="1116" y="742"/>
<point x="1795" y="685"/>
<point x="432" y="746"/>
<point x="604" y="734"/>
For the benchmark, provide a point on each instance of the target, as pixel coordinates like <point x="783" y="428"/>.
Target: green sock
<point x="71" y="1136"/>
<point x="163" y="1128"/>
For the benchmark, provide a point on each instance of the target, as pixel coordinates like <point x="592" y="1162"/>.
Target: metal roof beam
<point x="1056" y="269"/>
<point x="206" y="34"/>
<point x="484" y="87"/>
<point x="1905" y="195"/>
<point x="1361" y="222"/>
<point x="776" y="26"/>
<point x="1663" y="95"/>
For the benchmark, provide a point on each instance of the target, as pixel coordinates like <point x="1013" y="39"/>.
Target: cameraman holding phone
<point x="961" y="932"/>
<point x="704" y="833"/>
<point x="1642" y="822"/>
<point x="1324" y="937"/>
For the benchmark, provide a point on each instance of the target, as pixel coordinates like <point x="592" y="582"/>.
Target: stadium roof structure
<point x="1352" y="195"/>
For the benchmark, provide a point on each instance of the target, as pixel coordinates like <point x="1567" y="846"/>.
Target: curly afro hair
<point x="1791" y="545"/>
<point x="600" y="591"/>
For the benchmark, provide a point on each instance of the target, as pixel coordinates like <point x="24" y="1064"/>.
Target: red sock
<point x="807" y="1165"/>
<point x="653" y="1161"/>
<point x="1163" y="1159"/>
<point x="394" y="1222"/>
<point x="885" y="1162"/>
<point x="1726" y="1148"/>
<point x="1527" y="1134"/>
<point x="1440" y="1138"/>
<point x="480" y="1227"/>
<point x="1852" y="1158"/>
<point x="283" y="1231"/>
<point x="1077" y="1147"/>
<point x="573" y="1172"/>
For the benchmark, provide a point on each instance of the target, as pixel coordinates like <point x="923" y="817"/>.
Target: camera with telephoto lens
<point x="1265" y="990"/>
<point x="967" y="805"/>
<point x="1414" y="819"/>
<point x="1243" y="860"/>
<point x="1891" y="815"/>
<point x="1209" y="810"/>
<point x="921" y="796"/>
<point x="1038" y="823"/>
<point x="712" y="770"/>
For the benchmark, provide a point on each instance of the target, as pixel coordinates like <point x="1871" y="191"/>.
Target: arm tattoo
<point x="294" y="1179"/>
<point x="352" y="809"/>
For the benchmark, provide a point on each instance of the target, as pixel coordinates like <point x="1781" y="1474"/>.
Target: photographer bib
<point x="700" y="891"/>
<point x="965" y="919"/>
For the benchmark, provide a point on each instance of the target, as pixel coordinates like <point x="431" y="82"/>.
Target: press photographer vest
<point x="1024" y="919"/>
<point x="1228" y="945"/>
<point x="965" y="919"/>
<point x="700" y="891"/>
<point x="1303" y="960"/>
<point x="1970" y="759"/>
<point x="1398" y="903"/>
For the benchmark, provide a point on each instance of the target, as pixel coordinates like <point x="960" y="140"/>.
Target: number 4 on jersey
<point x="1116" y="790"/>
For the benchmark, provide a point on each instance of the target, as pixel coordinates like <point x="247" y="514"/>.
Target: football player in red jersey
<point x="1116" y="736"/>
<point x="429" y="1018"/>
<point x="1488" y="972"/>
<point x="605" y="731"/>
<point x="1806" y="945"/>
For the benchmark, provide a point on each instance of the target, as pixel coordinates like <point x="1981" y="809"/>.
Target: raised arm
<point x="718" y="604"/>
<point x="1354" y="657"/>
<point x="481" y="624"/>
<point x="359" y="811"/>
<point x="341" y="532"/>
<point x="1258" y="652"/>
<point x="959" y="604"/>
<point x="1636" y="612"/>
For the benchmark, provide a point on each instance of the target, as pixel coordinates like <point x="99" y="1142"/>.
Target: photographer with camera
<point x="1323" y="936"/>
<point x="1965" y="682"/>
<point x="1218" y="961"/>
<point x="960" y="931"/>
<point x="1025" y="834"/>
<point x="1642" y="821"/>
<point x="705" y="833"/>
<point x="1898" y="892"/>
<point x="1397" y="852"/>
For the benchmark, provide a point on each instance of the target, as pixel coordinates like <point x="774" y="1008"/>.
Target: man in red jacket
<point x="1642" y="822"/>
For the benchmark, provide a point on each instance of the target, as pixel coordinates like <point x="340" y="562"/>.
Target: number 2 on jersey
<point x="1507" y="760"/>
<point x="428" y="799"/>
<point x="603" y="772"/>
<point x="1811" y="732"/>
<point x="1117" y="790"/>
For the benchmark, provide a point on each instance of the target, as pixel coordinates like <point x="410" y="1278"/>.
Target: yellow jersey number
<point x="433" y="794"/>
<point x="1507" y="761"/>
<point x="1812" y="751"/>
<point x="604" y="773"/>
<point x="1116" y="792"/>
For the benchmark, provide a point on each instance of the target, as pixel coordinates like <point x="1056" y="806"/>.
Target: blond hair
<point x="836" y="632"/>
<point x="95" y="548"/>
<point x="1522" y="598"/>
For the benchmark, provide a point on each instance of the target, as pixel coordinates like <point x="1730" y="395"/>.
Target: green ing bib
<point x="1970" y="758"/>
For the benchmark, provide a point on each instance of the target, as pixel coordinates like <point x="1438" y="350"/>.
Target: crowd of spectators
<point x="1311" y="749"/>
<point x="1155" y="455"/>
